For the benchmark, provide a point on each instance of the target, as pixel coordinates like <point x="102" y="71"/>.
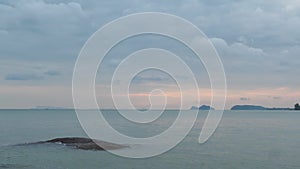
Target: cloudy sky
<point x="258" y="42"/>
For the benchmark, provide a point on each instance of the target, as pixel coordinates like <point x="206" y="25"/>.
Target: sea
<point x="244" y="140"/>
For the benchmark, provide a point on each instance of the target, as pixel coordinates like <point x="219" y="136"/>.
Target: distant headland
<point x="256" y="107"/>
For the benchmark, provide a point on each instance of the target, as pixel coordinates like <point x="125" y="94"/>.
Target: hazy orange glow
<point x="272" y="97"/>
<point x="157" y="94"/>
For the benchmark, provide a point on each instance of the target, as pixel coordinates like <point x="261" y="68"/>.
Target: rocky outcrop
<point x="84" y="143"/>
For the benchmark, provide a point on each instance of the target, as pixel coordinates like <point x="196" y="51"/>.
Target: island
<point x="203" y="107"/>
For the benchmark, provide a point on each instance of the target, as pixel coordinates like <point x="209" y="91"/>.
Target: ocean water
<point x="244" y="139"/>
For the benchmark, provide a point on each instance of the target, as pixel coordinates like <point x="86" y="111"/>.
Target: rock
<point x="84" y="143"/>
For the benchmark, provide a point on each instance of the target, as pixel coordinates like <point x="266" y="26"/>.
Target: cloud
<point x="261" y="23"/>
<point x="277" y="98"/>
<point x="244" y="99"/>
<point x="253" y="67"/>
<point x="46" y="74"/>
<point x="41" y="30"/>
<point x="151" y="79"/>
<point x="52" y="73"/>
<point x="258" y="41"/>
<point x="23" y="77"/>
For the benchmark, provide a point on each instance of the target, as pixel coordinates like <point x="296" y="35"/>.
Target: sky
<point x="258" y="42"/>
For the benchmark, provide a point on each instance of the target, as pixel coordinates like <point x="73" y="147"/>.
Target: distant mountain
<point x="248" y="107"/>
<point x="203" y="107"/>
<point x="255" y="107"/>
<point x="47" y="108"/>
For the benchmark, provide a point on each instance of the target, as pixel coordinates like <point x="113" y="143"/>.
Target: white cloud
<point x="250" y="67"/>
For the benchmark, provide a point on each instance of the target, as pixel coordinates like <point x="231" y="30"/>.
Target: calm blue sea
<point x="244" y="140"/>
